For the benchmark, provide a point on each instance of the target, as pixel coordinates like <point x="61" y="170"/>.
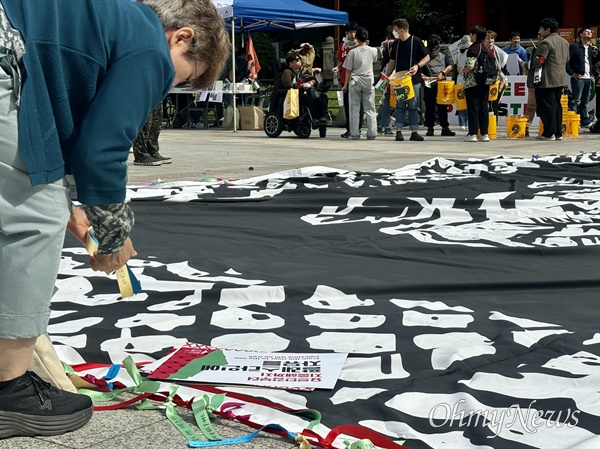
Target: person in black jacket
<point x="595" y="128"/>
<point x="579" y="68"/>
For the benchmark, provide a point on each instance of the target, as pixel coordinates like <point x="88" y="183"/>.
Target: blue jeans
<point x="463" y="117"/>
<point x="413" y="111"/>
<point x="580" y="97"/>
<point x="384" y="120"/>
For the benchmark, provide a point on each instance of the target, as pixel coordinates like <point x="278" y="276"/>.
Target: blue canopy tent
<point x="261" y="15"/>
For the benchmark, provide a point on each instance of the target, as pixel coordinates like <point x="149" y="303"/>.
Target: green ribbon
<point x="202" y="408"/>
<point x="176" y="420"/>
<point x="360" y="444"/>
<point x="315" y="414"/>
<point x="203" y="413"/>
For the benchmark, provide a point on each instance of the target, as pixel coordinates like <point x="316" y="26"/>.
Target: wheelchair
<point x="302" y="126"/>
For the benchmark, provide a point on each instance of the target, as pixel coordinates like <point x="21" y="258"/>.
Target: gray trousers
<point x="32" y="228"/>
<point x="362" y="91"/>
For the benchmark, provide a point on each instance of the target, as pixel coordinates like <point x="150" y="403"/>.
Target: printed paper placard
<point x="206" y="364"/>
<point x="215" y="97"/>
<point x="201" y="95"/>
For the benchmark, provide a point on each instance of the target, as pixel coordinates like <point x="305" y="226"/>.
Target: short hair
<point x="515" y="34"/>
<point x="351" y="26"/>
<point x="491" y="33"/>
<point x="389" y="32"/>
<point x="210" y="43"/>
<point x="479" y="31"/>
<point x="549" y="23"/>
<point x="291" y="56"/>
<point x="582" y="29"/>
<point x="362" y="34"/>
<point x="401" y="23"/>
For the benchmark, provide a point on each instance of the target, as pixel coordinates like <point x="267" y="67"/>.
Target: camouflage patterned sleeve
<point x="112" y="224"/>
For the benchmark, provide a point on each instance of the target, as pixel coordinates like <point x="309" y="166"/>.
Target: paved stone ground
<point x="199" y="153"/>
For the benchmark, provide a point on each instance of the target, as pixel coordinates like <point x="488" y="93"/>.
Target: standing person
<point x="551" y="58"/>
<point x="476" y="90"/>
<point x="241" y="67"/>
<point x="531" y="104"/>
<point x="461" y="60"/>
<point x="438" y="67"/>
<point x="515" y="48"/>
<point x="501" y="59"/>
<point x="595" y="128"/>
<point x="579" y="68"/>
<point x="347" y="44"/>
<point x="145" y="145"/>
<point x="359" y="73"/>
<point x="77" y="112"/>
<point x="408" y="54"/>
<point x="384" y="119"/>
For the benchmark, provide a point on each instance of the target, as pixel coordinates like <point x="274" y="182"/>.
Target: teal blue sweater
<point x="94" y="69"/>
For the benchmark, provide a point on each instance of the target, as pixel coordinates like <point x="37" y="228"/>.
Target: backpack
<point x="487" y="70"/>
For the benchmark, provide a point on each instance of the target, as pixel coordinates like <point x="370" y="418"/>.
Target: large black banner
<point x="467" y="293"/>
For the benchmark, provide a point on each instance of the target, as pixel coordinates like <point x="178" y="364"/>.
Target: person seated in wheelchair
<point x="294" y="77"/>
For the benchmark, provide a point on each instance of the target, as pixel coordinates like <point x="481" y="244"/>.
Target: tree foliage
<point x="425" y="17"/>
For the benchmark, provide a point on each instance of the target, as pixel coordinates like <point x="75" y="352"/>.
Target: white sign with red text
<point x="513" y="102"/>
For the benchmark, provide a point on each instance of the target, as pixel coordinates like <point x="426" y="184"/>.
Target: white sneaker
<point x="484" y="138"/>
<point x="463" y="127"/>
<point x="471" y="138"/>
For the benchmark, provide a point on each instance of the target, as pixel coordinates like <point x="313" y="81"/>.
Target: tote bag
<point x="291" y="105"/>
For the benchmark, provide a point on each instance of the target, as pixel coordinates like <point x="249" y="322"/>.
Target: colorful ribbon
<point x="128" y="283"/>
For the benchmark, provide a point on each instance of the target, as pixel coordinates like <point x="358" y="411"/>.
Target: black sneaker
<point x="430" y="132"/>
<point x="415" y="136"/>
<point x="148" y="160"/>
<point x="399" y="136"/>
<point x="164" y="159"/>
<point x="29" y="406"/>
<point x="346" y="135"/>
<point x="448" y="133"/>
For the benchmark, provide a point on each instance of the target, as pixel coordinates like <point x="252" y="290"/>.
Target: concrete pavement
<point x="200" y="153"/>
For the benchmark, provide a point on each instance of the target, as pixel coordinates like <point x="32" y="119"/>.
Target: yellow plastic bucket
<point x="565" y="121"/>
<point x="461" y="98"/>
<point x="564" y="102"/>
<point x="492" y="128"/>
<point x="516" y="126"/>
<point x="445" y="92"/>
<point x="573" y="124"/>
<point x="493" y="95"/>
<point x="401" y="88"/>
